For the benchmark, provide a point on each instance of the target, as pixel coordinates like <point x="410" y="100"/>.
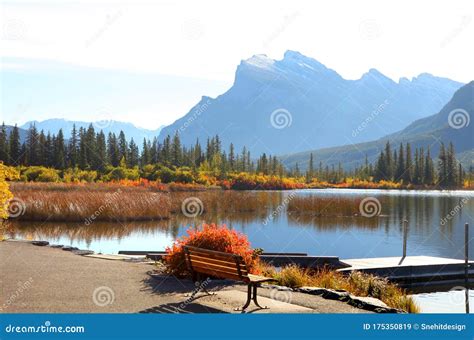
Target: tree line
<point x="88" y="149"/>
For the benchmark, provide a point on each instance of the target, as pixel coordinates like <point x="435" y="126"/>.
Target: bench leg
<point x="255" y="297"/>
<point x="249" y="298"/>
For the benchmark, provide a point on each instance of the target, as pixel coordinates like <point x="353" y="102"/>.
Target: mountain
<point x="451" y="124"/>
<point x="21" y="132"/>
<point x="130" y="130"/>
<point x="297" y="103"/>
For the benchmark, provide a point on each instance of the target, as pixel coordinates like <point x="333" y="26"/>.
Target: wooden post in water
<point x="405" y="237"/>
<point x="466" y="264"/>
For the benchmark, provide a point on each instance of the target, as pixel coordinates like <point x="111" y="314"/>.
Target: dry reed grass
<point x="356" y="283"/>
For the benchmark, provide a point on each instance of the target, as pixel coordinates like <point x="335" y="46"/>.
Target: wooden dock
<point x="413" y="271"/>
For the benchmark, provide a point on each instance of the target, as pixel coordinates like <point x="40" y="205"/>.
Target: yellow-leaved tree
<point x="6" y="173"/>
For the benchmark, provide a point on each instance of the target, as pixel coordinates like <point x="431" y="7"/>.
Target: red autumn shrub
<point x="212" y="237"/>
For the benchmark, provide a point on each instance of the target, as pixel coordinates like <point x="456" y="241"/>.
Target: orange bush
<point x="212" y="237"/>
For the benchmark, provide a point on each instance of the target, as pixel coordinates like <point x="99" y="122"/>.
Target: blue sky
<point x="38" y="90"/>
<point x="149" y="62"/>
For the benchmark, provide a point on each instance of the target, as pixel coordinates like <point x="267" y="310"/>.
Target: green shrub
<point x="40" y="174"/>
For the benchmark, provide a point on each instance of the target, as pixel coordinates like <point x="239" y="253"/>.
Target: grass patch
<point x="356" y="283"/>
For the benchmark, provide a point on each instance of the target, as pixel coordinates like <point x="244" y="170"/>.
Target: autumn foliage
<point x="212" y="237"/>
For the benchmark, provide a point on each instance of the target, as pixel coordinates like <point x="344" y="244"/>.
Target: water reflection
<point x="270" y="226"/>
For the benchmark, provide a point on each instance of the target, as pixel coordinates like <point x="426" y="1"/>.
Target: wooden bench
<point x="223" y="266"/>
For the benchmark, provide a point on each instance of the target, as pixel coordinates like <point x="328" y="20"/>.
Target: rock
<point x="332" y="294"/>
<point x="40" y="243"/>
<point x="277" y="287"/>
<point x="69" y="248"/>
<point x="311" y="290"/>
<point x="83" y="252"/>
<point x="370" y="303"/>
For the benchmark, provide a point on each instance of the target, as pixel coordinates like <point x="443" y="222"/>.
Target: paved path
<point x="47" y="280"/>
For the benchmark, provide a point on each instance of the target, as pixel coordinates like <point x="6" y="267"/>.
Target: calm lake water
<point x="436" y="226"/>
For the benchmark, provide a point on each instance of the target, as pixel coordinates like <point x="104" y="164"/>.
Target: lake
<point x="435" y="226"/>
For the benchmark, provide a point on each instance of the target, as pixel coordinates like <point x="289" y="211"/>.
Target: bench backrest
<point x="216" y="263"/>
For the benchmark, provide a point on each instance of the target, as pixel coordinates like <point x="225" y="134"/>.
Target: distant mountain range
<point x="451" y="124"/>
<point x="297" y="103"/>
<point x="130" y="130"/>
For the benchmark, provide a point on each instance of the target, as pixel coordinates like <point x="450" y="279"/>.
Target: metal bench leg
<point x="255" y="297"/>
<point x="249" y="298"/>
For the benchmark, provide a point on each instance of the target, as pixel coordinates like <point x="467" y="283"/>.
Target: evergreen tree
<point x="73" y="158"/>
<point x="134" y="155"/>
<point x="428" y="177"/>
<point x="59" y="150"/>
<point x="14" y="147"/>
<point x="408" y="173"/>
<point x="310" y="172"/>
<point x="442" y="167"/>
<point x="3" y="144"/>
<point x="32" y="147"/>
